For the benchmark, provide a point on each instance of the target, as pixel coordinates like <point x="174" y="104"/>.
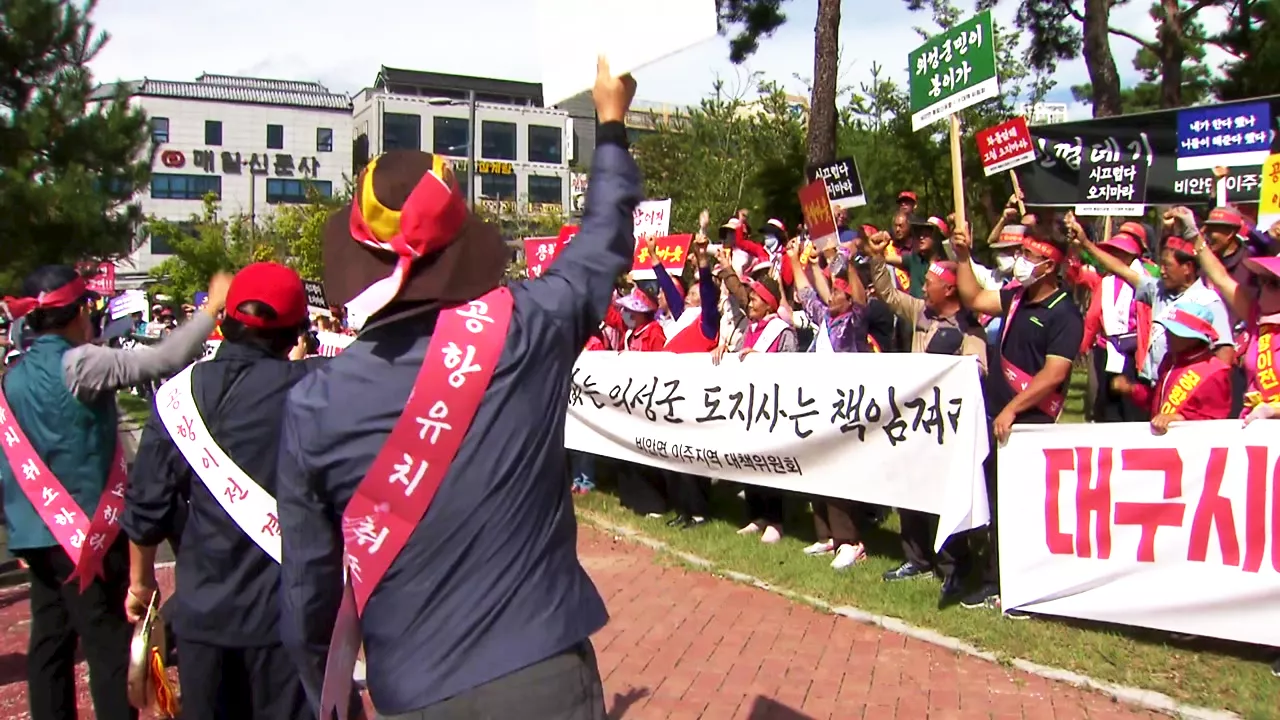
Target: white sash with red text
<point x="770" y="334"/>
<point x="403" y="479"/>
<point x="57" y="508"/>
<point x="251" y="507"/>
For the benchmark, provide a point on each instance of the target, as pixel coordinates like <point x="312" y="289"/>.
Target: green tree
<point x="1252" y="37"/>
<point x="69" y="161"/>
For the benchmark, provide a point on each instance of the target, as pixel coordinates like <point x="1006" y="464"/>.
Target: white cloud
<point x="342" y="44"/>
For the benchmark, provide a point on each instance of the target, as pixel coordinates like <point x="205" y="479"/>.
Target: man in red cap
<point x="213" y="443"/>
<point x="907" y="202"/>
<point x="59" y="424"/>
<point x="423" y="501"/>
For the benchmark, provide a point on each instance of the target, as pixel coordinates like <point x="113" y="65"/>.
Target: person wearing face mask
<point x="1179" y="281"/>
<point x="1040" y="339"/>
<point x="938" y="324"/>
<point x="1193" y="383"/>
<point x="638" y="310"/>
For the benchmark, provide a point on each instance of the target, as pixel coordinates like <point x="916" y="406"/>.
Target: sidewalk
<point x="685" y="644"/>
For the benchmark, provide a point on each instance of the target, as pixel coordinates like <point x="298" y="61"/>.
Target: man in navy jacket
<point x="486" y="612"/>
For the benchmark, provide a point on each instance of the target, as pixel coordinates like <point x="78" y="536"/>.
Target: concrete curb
<point x="1137" y="697"/>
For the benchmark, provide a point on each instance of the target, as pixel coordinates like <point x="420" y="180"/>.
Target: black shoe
<point x="677" y="521"/>
<point x="690" y="523"/>
<point x="905" y="571"/>
<point x="952" y="589"/>
<point x="987" y="596"/>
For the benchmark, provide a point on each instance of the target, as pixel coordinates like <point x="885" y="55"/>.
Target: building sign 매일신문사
<point x="226" y="162"/>
<point x="953" y="70"/>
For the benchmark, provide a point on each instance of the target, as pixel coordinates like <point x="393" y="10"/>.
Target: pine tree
<point x="70" y="159"/>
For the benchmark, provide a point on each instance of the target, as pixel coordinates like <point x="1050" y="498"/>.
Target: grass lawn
<point x="1206" y="673"/>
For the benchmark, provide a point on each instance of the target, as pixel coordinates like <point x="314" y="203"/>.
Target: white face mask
<point x="771" y="242"/>
<point x="1004" y="264"/>
<point x="1024" y="270"/>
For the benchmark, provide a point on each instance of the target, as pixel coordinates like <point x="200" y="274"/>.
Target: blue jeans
<point x="582" y="468"/>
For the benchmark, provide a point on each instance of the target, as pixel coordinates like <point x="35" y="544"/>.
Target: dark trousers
<point x="259" y="683"/>
<point x="764" y="504"/>
<point x="1109" y="406"/>
<point x="833" y="519"/>
<point x="564" y="687"/>
<point x="641" y="489"/>
<point x="61" y="618"/>
<point x="690" y="494"/>
<point x="991" y="569"/>
<point x="918" y="532"/>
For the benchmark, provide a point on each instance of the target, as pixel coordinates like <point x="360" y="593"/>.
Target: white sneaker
<point x="750" y="529"/>
<point x="771" y="535"/>
<point x="847" y="555"/>
<point x="820" y="548"/>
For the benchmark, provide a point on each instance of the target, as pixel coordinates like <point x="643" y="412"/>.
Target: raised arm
<point x="902" y="304"/>
<point x="1235" y="296"/>
<point x="708" y="289"/>
<point x="580" y="283"/>
<point x="973" y="295"/>
<point x="90" y="371"/>
<point x="1105" y="259"/>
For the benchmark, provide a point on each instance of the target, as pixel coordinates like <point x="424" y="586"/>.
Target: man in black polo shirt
<point x="1041" y="334"/>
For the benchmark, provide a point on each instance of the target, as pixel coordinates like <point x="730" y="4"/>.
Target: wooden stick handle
<point x="1017" y="192"/>
<point x="957" y="173"/>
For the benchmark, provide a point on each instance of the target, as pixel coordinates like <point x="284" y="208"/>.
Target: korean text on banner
<point x="1224" y="135"/>
<point x="913" y="426"/>
<point x="1269" y="200"/>
<point x="1177" y="532"/>
<point x="100" y="277"/>
<point x="672" y="250"/>
<point x="816" y="206"/>
<point x="844" y="185"/>
<point x="572" y="33"/>
<point x="1113" y="180"/>
<point x="1006" y="146"/>
<point x="316" y="301"/>
<point x="539" y="252"/>
<point x="652" y="218"/>
<point x="953" y="70"/>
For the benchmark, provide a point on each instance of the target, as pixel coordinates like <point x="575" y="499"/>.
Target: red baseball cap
<point x="908" y="195"/>
<point x="1228" y="216"/>
<point x="274" y="285"/>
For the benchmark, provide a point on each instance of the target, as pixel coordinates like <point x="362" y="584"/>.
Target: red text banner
<point x="1179" y="532"/>
<point x="1005" y="146"/>
<point x="672" y="251"/>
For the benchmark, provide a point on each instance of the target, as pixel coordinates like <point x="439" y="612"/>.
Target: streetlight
<point x="470" y="103"/>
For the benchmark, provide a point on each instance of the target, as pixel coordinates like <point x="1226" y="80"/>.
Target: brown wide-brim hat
<point x="470" y="266"/>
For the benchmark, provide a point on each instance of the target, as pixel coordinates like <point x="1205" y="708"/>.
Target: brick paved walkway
<point x="684" y="644"/>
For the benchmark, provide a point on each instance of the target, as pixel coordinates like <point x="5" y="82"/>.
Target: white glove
<point x="1265" y="411"/>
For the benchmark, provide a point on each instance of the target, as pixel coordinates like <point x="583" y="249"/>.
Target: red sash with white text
<point x="57" y="508"/>
<point x="405" y="475"/>
<point x="1179" y="385"/>
<point x="1264" y="385"/>
<point x="1020" y="379"/>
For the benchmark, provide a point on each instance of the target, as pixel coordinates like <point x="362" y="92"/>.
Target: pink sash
<point x="57" y="508"/>
<point x="1018" y="378"/>
<point x="405" y="475"/>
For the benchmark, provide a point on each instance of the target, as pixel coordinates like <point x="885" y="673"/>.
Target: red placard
<point x="673" y="251"/>
<point x="1006" y="146"/>
<point x="816" y="207"/>
<point x="539" y="252"/>
<point x="103" y="277"/>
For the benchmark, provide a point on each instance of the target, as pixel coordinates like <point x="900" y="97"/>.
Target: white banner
<point x="905" y="430"/>
<point x="1111" y="523"/>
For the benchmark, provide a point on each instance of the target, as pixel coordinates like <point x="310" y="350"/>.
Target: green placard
<point x="953" y="70"/>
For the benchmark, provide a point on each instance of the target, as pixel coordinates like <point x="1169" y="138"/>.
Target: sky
<point x="491" y="38"/>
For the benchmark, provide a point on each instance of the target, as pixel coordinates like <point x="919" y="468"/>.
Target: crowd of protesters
<point x="1172" y="321"/>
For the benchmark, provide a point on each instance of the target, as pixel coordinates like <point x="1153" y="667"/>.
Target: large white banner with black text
<point x="901" y="430"/>
<point x="1179" y="532"/>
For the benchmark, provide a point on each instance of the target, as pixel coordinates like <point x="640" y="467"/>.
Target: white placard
<point x="573" y="33"/>
<point x="1111" y="523"/>
<point x="904" y="430"/>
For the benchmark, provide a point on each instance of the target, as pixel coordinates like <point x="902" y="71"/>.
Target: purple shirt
<point x="848" y="332"/>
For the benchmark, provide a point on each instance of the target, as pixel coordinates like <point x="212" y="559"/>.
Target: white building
<point x="254" y="143"/>
<point x="524" y="150"/>
<point x="1043" y="113"/>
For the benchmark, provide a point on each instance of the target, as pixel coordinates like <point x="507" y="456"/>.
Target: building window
<point x="545" y="145"/>
<point x="497" y="140"/>
<point x="165" y="186"/>
<point x="461" y="177"/>
<point x="449" y="136"/>
<point x="275" y="137"/>
<point x="280" y="190"/>
<point x="160" y="246"/>
<point x="212" y="132"/>
<point x="544" y="189"/>
<point x="498" y="187"/>
<point x="159" y="130"/>
<point x="324" y="139"/>
<point x="401" y="131"/>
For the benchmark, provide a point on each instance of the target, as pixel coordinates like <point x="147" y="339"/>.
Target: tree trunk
<point x="822" y="105"/>
<point x="1172" y="52"/>
<point x="1098" y="59"/>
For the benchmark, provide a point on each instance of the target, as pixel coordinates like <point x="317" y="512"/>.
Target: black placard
<point x="844" y="186"/>
<point x="315" y="297"/>
<point x="1113" y="180"/>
